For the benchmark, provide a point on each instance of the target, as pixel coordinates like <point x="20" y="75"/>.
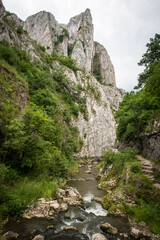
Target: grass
<point x="147" y="213"/>
<point x="138" y="186"/>
<point x="25" y="192"/>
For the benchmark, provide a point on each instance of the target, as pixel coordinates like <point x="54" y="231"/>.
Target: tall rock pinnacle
<point x="80" y="30"/>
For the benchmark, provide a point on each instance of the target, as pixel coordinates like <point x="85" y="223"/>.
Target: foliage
<point x="119" y="160"/>
<point x="97" y="73"/>
<point x="19" y="30"/>
<point x="42" y="48"/>
<point x="137" y="109"/>
<point x="65" y="60"/>
<point x="97" y="68"/>
<point x="61" y="37"/>
<point x="37" y="142"/>
<point x="70" y="49"/>
<point x="149" y="60"/>
<point x="131" y="183"/>
<point x="147" y="199"/>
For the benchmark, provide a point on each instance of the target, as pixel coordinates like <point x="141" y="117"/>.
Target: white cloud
<point x="122" y="26"/>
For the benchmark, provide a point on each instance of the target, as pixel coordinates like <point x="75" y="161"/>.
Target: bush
<point x="136" y="167"/>
<point x="20" y="30"/>
<point x="65" y="60"/>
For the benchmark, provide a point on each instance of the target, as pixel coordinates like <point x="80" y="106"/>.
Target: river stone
<point x="55" y="205"/>
<point x="38" y="237"/>
<point x="106" y="227"/>
<point x="70" y="196"/>
<point x="70" y="228"/>
<point x="63" y="207"/>
<point x="50" y="227"/>
<point x="10" y="235"/>
<point x="41" y="200"/>
<point x="98" y="199"/>
<point x="135" y="232"/>
<point x="98" y="236"/>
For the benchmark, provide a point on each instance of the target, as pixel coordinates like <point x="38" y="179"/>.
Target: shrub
<point x="136" y="167"/>
<point x="20" y="30"/>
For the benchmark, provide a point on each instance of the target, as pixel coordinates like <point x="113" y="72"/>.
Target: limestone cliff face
<point x="75" y="39"/>
<point x="80" y="30"/>
<point x="43" y="28"/>
<point x="99" y="132"/>
<point x="11" y="30"/>
<point x="148" y="142"/>
<point x="103" y="66"/>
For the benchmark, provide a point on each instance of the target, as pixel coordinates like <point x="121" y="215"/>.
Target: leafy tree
<point x="149" y="60"/>
<point x="137" y="109"/>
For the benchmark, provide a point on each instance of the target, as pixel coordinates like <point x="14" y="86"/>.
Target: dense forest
<point x="140" y="108"/>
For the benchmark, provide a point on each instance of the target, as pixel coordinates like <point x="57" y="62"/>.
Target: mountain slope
<point x="96" y="75"/>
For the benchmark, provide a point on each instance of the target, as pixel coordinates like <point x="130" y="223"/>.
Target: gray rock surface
<point x="44" y="28"/>
<point x="99" y="132"/>
<point x="98" y="236"/>
<point x="148" y="142"/>
<point x="80" y="28"/>
<point x="103" y="64"/>
<point x="10" y="235"/>
<point x="70" y="196"/>
<point x="9" y="27"/>
<point x="106" y="227"/>
<point x="38" y="237"/>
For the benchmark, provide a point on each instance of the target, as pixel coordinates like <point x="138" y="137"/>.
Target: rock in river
<point x="38" y="237"/>
<point x="10" y="235"/>
<point x="106" y="227"/>
<point x="70" y="196"/>
<point x="98" y="236"/>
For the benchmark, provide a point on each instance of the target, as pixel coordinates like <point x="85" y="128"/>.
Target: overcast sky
<point x="122" y="26"/>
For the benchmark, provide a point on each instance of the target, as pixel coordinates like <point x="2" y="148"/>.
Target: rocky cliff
<point x="95" y="76"/>
<point x="148" y="142"/>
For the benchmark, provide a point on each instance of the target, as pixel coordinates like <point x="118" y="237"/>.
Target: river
<point x="86" y="218"/>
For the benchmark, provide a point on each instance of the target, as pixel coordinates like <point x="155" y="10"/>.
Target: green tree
<point x="137" y="109"/>
<point x="149" y="60"/>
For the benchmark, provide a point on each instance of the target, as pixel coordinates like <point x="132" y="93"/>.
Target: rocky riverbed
<point x="76" y="213"/>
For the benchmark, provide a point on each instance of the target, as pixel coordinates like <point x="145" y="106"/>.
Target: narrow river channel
<point x="86" y="218"/>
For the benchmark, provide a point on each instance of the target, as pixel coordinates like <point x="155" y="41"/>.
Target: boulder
<point x="70" y="228"/>
<point x="38" y="237"/>
<point x="54" y="205"/>
<point x="63" y="207"/>
<point x="98" y="199"/>
<point x="98" y="236"/>
<point x="10" y="235"/>
<point x="69" y="196"/>
<point x="50" y="227"/>
<point x="135" y="232"/>
<point x="106" y="227"/>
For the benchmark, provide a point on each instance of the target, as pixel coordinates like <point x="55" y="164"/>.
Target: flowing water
<point x="87" y="217"/>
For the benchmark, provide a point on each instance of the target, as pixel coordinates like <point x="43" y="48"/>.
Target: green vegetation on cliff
<point x="138" y="108"/>
<point x="38" y="141"/>
<point x="129" y="190"/>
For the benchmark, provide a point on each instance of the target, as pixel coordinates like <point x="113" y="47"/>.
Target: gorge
<point x="58" y="102"/>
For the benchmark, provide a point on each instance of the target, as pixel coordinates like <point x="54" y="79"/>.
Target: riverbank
<point x="78" y="214"/>
<point x="130" y="193"/>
